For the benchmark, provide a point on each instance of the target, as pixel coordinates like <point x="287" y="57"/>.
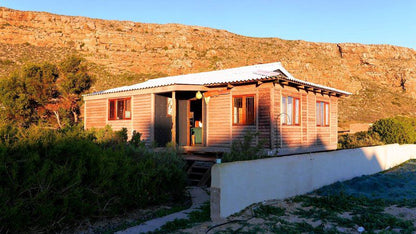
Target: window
<point x="119" y="109"/>
<point x="322" y="113"/>
<point x="243" y="110"/>
<point x="290" y="110"/>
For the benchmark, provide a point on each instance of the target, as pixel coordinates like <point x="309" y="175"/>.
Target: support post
<point x="174" y="117"/>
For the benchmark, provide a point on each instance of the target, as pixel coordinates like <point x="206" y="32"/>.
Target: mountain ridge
<point x="382" y="78"/>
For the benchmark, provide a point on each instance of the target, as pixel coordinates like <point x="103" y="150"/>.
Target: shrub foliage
<point x="359" y="139"/>
<point x="245" y="149"/>
<point x="398" y="129"/>
<point x="53" y="178"/>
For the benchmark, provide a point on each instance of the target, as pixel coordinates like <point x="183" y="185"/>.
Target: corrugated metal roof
<point x="233" y="75"/>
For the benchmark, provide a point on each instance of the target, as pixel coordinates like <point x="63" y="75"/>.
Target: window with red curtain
<point x="119" y="109"/>
<point x="244" y="110"/>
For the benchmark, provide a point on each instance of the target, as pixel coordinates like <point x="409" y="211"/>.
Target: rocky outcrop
<point x="376" y="74"/>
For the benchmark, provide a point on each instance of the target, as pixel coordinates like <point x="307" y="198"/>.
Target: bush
<point x="396" y="130"/>
<point x="399" y="129"/>
<point x="359" y="139"/>
<point x="107" y="137"/>
<point x="53" y="178"/>
<point x="246" y="149"/>
<point x="136" y="140"/>
<point x="8" y="133"/>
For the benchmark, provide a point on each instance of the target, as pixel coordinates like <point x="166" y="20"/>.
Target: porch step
<point x="199" y="172"/>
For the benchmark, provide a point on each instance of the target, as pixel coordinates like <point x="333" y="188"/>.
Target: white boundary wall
<point x="237" y="185"/>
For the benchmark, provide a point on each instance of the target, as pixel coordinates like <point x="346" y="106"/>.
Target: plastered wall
<point x="237" y="185"/>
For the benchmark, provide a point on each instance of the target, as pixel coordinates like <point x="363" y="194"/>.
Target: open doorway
<point x="195" y="123"/>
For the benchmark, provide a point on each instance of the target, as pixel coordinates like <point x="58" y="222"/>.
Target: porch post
<point x="174" y="117"/>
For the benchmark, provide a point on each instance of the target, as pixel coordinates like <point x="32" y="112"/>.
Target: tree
<point x="46" y="92"/>
<point x="75" y="81"/>
<point x="24" y="95"/>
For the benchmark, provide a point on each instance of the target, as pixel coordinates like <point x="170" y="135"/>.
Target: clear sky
<point x="365" y="21"/>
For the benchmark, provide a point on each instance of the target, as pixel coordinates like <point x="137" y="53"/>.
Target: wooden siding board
<point x="142" y="113"/>
<point x="264" y="102"/>
<point x="97" y="116"/>
<point x="95" y="113"/>
<point x="219" y="121"/>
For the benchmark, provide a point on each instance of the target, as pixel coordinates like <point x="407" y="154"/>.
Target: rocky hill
<point x="381" y="77"/>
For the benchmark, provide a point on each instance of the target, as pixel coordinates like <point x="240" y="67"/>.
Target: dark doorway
<point x="163" y="120"/>
<point x="195" y="122"/>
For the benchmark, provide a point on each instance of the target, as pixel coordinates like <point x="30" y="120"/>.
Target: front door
<point x="195" y="123"/>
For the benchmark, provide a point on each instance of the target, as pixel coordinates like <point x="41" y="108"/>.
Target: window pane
<point x="112" y="110"/>
<point x="284" y="110"/>
<point x="326" y="114"/>
<point x="250" y="110"/>
<point x="238" y="110"/>
<point x="127" y="111"/>
<point x="297" y="111"/>
<point x="289" y="110"/>
<point x="322" y="114"/>
<point x="120" y="109"/>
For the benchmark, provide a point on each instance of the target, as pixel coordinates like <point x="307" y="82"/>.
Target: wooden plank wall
<point x="219" y="121"/>
<point x="117" y="125"/>
<point x="311" y="123"/>
<point x="97" y="116"/>
<point x="220" y="130"/>
<point x="142" y="116"/>
<point x="334" y="121"/>
<point x="304" y="116"/>
<point x="264" y="113"/>
<point x="291" y="135"/>
<point x="323" y="134"/>
<point x="276" y="116"/>
<point x="95" y="113"/>
<point x="239" y="131"/>
<point x="307" y="136"/>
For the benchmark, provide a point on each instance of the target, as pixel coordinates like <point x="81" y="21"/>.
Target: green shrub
<point x="8" y="133"/>
<point x="359" y="139"/>
<point x="399" y="129"/>
<point x="107" y="137"/>
<point x="246" y="149"/>
<point x="53" y="178"/>
<point x="396" y="130"/>
<point x="136" y="139"/>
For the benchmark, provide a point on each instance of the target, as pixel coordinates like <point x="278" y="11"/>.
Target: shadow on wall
<point x="319" y="144"/>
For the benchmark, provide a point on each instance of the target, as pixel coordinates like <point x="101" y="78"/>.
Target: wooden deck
<point x="200" y="158"/>
<point x="204" y="150"/>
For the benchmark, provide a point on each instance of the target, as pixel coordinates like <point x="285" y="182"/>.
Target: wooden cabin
<point x="210" y="110"/>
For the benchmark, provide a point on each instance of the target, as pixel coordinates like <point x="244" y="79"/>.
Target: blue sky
<point x="366" y="21"/>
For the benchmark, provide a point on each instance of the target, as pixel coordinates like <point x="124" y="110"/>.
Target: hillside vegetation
<point x="55" y="179"/>
<point x="381" y="77"/>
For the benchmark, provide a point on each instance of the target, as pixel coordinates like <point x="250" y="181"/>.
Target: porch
<point x="179" y="118"/>
<point x="199" y="161"/>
